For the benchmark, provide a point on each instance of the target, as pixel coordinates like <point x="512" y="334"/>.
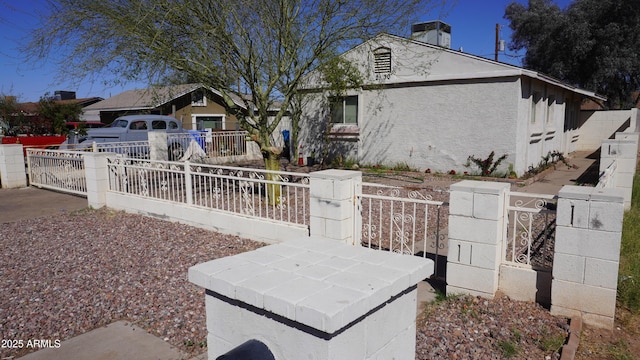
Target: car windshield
<point x="120" y="123"/>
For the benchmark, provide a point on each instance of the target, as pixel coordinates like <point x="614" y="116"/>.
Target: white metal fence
<point x="530" y="229"/>
<point x="57" y="170"/>
<point x="273" y="195"/>
<point x="214" y="144"/>
<point x="404" y="220"/>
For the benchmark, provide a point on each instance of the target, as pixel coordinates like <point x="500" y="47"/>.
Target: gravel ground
<point x="68" y="274"/>
<point x="469" y="327"/>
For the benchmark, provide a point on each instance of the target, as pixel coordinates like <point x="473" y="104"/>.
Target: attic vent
<point x="382" y="60"/>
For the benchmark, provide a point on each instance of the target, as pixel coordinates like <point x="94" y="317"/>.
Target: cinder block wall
<point x="12" y="171"/>
<point x="476" y="227"/>
<point x="587" y="254"/>
<point x="313" y="298"/>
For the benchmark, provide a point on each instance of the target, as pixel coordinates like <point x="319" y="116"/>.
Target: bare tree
<point x="257" y="50"/>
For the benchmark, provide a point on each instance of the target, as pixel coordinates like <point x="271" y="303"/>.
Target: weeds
<point x="551" y="159"/>
<point x="399" y="166"/>
<point x="487" y="166"/>
<point x="629" y="276"/>
<point x="508" y="348"/>
<point x="619" y="351"/>
<point x="553" y="343"/>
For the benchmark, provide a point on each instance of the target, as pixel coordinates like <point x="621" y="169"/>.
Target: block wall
<point x="587" y="254"/>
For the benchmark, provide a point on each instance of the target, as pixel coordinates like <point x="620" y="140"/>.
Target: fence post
<point x="188" y="183"/>
<point x="332" y="206"/>
<point x="12" y="170"/>
<point x="476" y="233"/>
<point x="587" y="254"/>
<point x="97" y="175"/>
<point x="625" y="150"/>
<point x="158" y="146"/>
<point x="299" y="299"/>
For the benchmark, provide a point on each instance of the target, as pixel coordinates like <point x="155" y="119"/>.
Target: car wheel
<point x="175" y="152"/>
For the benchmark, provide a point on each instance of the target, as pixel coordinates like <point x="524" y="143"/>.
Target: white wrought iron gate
<point x="404" y="220"/>
<point x="529" y="234"/>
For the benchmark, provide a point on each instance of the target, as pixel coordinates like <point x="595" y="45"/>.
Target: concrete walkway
<point x="119" y="340"/>
<point x="583" y="170"/>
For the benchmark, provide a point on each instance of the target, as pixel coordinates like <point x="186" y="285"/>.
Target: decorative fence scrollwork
<point x="57" y="169"/>
<point x="403" y="220"/>
<point x="530" y="230"/>
<point x="277" y="196"/>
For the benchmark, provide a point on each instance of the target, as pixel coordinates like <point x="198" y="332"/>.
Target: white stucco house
<point x="432" y="107"/>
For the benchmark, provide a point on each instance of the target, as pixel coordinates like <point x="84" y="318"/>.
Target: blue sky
<point x="473" y="24"/>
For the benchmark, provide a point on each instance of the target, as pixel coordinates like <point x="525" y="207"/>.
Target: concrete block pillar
<point x="12" y="170"/>
<point x="158" y="146"/>
<point x="313" y="298"/>
<point x="624" y="151"/>
<point x="476" y="232"/>
<point x="97" y="175"/>
<point x="587" y="254"/>
<point x="332" y="206"/>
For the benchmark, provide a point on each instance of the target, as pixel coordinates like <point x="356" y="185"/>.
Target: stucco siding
<point x="438" y="126"/>
<point x="432" y="108"/>
<point x="435" y="126"/>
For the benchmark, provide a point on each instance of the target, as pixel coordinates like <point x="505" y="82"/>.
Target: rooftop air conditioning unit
<point x="432" y="32"/>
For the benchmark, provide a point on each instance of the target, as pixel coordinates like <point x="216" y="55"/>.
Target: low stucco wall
<point x="600" y="125"/>
<point x="226" y="223"/>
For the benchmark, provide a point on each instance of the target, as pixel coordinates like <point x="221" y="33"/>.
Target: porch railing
<point x="273" y="195"/>
<point x="530" y="229"/>
<point x="57" y="170"/>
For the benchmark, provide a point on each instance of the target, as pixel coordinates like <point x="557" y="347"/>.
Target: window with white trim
<point x="344" y="110"/>
<point x="214" y="122"/>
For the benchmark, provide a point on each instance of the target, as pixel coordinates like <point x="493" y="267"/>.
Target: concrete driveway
<point x="31" y="202"/>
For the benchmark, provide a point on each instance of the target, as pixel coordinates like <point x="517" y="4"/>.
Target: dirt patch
<point x="623" y="342"/>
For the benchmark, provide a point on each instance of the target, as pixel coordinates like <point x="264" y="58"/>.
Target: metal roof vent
<point x="432" y="32"/>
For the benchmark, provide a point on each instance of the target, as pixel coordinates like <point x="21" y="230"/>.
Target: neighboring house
<point x="28" y="111"/>
<point x="196" y="106"/>
<point x="431" y="108"/>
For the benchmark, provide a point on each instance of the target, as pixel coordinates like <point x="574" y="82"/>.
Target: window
<point x="198" y="98"/>
<point x="344" y="110"/>
<point x="138" y="125"/>
<point x="173" y="125"/>
<point x="120" y="123"/>
<point x="158" y="125"/>
<point x="382" y="60"/>
<point x="210" y="122"/>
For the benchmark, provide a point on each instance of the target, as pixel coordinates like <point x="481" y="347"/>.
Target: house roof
<point x="83" y="102"/>
<point x="31" y="107"/>
<point x="145" y="99"/>
<point x="482" y="68"/>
